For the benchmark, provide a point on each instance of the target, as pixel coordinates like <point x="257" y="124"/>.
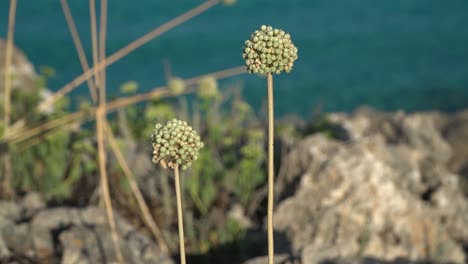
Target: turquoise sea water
<point x="399" y="54"/>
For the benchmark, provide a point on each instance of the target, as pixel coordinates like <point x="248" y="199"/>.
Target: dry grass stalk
<point x="79" y="46"/>
<point x="102" y="45"/>
<point x="38" y="139"/>
<point x="162" y="91"/>
<point x="45" y="126"/>
<point x="100" y="123"/>
<point x="128" y="49"/>
<point x="94" y="41"/>
<point x="6" y="184"/>
<point x="8" y="61"/>
<point x="157" y="92"/>
<point x="136" y="191"/>
<point x="100" y="119"/>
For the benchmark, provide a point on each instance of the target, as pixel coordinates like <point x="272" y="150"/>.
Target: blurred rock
<point x="420" y="131"/>
<point x="68" y="235"/>
<point x="456" y="134"/>
<point x="9" y="210"/>
<point x="31" y="204"/>
<point x="385" y="195"/>
<point x="23" y="75"/>
<point x="22" y="71"/>
<point x="237" y="212"/>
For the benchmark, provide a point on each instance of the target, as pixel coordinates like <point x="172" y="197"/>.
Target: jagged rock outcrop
<point x="387" y="194"/>
<point x="29" y="232"/>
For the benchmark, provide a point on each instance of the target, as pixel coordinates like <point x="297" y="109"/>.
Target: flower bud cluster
<point x="175" y="144"/>
<point x="207" y="87"/>
<point x="269" y="50"/>
<point x="176" y="86"/>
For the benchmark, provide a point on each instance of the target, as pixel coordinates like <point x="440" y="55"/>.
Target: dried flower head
<point x="176" y="86"/>
<point x="269" y="50"/>
<point x="175" y="144"/>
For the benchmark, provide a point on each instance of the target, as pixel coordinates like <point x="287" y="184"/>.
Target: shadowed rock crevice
<point x="55" y="235"/>
<point x="252" y="245"/>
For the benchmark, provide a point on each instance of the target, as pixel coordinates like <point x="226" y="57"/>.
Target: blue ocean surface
<point x="399" y="54"/>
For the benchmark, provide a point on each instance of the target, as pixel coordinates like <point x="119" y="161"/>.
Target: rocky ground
<point x="31" y="233"/>
<point x="390" y="188"/>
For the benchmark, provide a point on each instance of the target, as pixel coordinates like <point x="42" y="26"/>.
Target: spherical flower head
<point x="176" y="86"/>
<point x="208" y="88"/>
<point x="175" y="144"/>
<point x="269" y="50"/>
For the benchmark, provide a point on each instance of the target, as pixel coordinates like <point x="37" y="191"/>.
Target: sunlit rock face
<point x="387" y="193"/>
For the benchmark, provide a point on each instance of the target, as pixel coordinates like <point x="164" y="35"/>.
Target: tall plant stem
<point x="100" y="127"/>
<point x="180" y="219"/>
<point x="100" y="119"/>
<point x="271" y="167"/>
<point x="102" y="46"/>
<point x="7" y="187"/>
<point x="156" y="92"/>
<point x="8" y="60"/>
<point x="78" y="45"/>
<point x="94" y="43"/>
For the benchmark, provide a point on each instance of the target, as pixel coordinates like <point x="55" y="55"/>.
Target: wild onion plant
<point x="270" y="51"/>
<point x="176" y="144"/>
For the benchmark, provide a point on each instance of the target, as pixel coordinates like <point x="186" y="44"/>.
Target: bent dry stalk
<point x="176" y="144"/>
<point x="270" y="51"/>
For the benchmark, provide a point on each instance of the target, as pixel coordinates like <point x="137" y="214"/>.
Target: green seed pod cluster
<point x="175" y="144"/>
<point x="129" y="87"/>
<point x="208" y="87"/>
<point x="269" y="50"/>
<point x="176" y="86"/>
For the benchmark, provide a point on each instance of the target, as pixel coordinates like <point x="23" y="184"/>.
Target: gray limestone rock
<point x="69" y="235"/>
<point x="384" y="195"/>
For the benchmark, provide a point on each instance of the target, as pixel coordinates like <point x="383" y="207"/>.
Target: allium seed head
<point x="267" y="48"/>
<point x="174" y="150"/>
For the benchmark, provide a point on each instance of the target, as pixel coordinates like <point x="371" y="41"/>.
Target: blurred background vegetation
<point x="224" y="190"/>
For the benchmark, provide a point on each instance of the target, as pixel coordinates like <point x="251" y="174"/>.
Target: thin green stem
<point x="180" y="219"/>
<point x="271" y="126"/>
